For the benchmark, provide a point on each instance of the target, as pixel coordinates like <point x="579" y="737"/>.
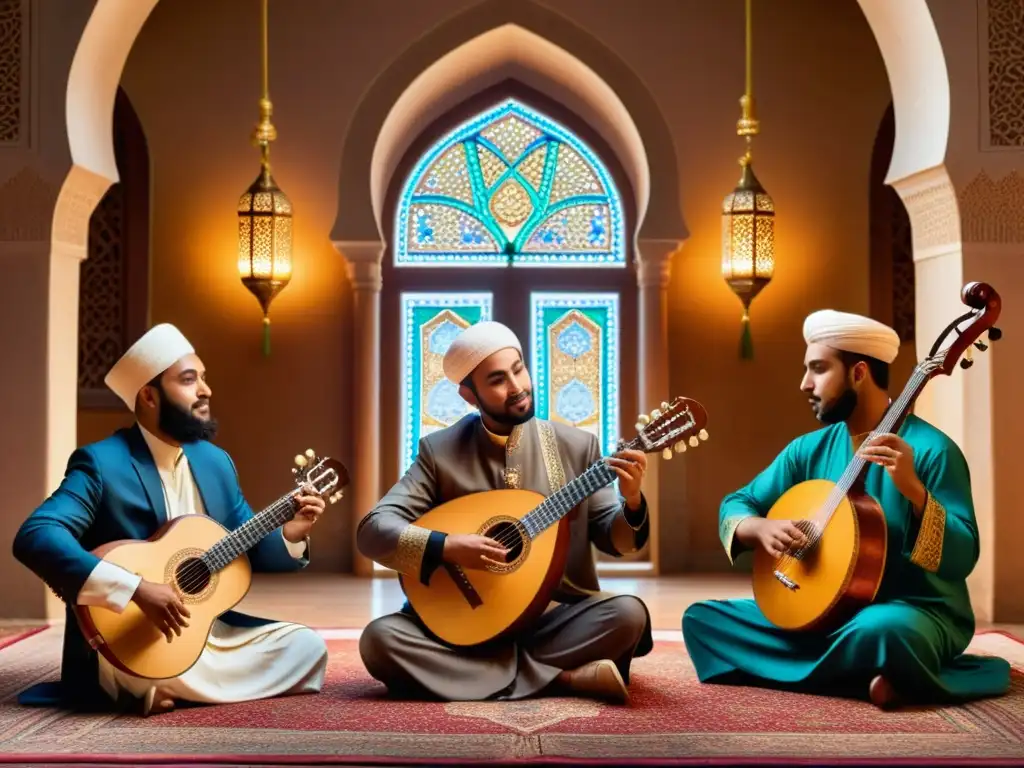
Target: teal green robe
<point x="916" y="630"/>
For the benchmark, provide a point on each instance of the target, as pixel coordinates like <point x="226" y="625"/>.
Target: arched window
<point x="510" y="215"/>
<point x="510" y="187"/>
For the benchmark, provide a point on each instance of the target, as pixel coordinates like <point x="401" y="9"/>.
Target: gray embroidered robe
<point x="540" y="456"/>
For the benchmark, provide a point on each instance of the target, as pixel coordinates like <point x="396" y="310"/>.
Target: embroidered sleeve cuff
<point x="296" y="550"/>
<point x="727" y="533"/>
<point x="109" y="586"/>
<point x="927" y="552"/>
<point x="408" y="555"/>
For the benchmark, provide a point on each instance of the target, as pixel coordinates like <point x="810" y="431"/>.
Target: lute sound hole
<point x="192" y="576"/>
<point x="510" y="533"/>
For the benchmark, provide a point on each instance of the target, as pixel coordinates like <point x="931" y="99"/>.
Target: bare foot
<point x="882" y="694"/>
<point x="157" y="702"/>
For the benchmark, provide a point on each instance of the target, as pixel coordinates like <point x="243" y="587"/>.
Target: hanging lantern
<point x="748" y="218"/>
<point x="265" y="243"/>
<point x="265" y="217"/>
<point x="748" y="245"/>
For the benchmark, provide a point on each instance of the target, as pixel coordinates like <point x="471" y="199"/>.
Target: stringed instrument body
<point x="468" y="607"/>
<point x="840" y="569"/>
<point x="205" y="564"/>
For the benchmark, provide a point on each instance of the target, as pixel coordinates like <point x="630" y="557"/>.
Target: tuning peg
<point x="655" y="413"/>
<point x="694" y="442"/>
<point x="680" y="447"/>
<point x="300" y="460"/>
<point x="664" y="405"/>
<point x="295" y="470"/>
<point x="966" y="363"/>
<point x="994" y="334"/>
<point x="703" y="434"/>
<point x="643" y="418"/>
<point x="309" y="453"/>
<point x="666" y="454"/>
<point x="980" y="346"/>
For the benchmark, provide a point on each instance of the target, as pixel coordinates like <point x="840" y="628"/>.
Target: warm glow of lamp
<point x="265" y="217"/>
<point x="748" y="219"/>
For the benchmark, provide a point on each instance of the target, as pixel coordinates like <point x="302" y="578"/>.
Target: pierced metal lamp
<point x="748" y="218"/>
<point x="265" y="217"/>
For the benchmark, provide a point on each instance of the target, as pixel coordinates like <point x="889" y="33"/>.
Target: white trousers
<point x="238" y="664"/>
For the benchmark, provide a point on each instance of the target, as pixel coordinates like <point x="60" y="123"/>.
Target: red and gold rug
<point x="672" y="719"/>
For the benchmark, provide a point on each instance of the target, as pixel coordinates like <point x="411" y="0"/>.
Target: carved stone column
<point x="654" y="269"/>
<point x="364" y="270"/>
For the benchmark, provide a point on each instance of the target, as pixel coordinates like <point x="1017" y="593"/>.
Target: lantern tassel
<point x="266" y="336"/>
<point x="746" y="340"/>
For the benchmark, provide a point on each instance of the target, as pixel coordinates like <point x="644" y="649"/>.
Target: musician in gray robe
<point x="585" y="640"/>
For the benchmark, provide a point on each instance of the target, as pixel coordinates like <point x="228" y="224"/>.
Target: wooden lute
<point x="206" y="564"/>
<point x="840" y="569"/>
<point x="470" y="607"/>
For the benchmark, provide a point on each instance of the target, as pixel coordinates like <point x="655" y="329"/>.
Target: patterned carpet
<point x="672" y="720"/>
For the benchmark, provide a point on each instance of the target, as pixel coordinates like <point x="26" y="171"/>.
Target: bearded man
<point x="127" y="487"/>
<point x="585" y="641"/>
<point x="908" y="645"/>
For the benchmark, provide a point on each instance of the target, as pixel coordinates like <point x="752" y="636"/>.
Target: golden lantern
<point x="264" y="217"/>
<point x="748" y="219"/>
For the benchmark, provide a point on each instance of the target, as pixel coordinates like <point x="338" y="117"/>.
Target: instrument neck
<point x="565" y="499"/>
<point x="891" y="422"/>
<point x="248" y="535"/>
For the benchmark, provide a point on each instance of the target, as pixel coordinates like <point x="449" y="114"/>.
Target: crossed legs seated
<point x="238" y="664"/>
<point x="890" y="653"/>
<point x="588" y="653"/>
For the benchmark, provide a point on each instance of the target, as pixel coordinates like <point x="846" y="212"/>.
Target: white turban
<point x="852" y="333"/>
<point x="474" y="345"/>
<point x="160" y="348"/>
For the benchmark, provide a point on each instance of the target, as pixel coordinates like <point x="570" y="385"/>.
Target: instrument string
<point x="224" y="552"/>
<point x="853" y="470"/>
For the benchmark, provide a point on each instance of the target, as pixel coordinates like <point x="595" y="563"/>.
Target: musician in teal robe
<point x="908" y="646"/>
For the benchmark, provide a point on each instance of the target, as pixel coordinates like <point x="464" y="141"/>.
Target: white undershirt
<point x="112" y="587"/>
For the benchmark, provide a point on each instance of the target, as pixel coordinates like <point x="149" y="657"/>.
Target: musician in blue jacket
<point x="128" y="486"/>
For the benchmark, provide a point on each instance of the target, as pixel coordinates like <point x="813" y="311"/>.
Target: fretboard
<point x="249" y="534"/>
<point x="561" y="502"/>
<point x="890" y="422"/>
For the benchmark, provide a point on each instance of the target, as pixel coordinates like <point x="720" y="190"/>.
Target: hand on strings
<point x="776" y="537"/>
<point x="470" y="550"/>
<point x="311" y="506"/>
<point x="897" y="457"/>
<point x="162" y="605"/>
<point x="630" y="466"/>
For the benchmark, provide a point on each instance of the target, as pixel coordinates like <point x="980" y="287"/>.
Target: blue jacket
<point x="111" y="490"/>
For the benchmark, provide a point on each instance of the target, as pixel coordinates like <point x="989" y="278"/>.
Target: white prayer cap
<point x="474" y="345"/>
<point x="852" y="333"/>
<point x="160" y="347"/>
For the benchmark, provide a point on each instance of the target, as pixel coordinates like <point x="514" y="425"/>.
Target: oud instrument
<point x="839" y="570"/>
<point x="206" y="565"/>
<point x="470" y="607"/>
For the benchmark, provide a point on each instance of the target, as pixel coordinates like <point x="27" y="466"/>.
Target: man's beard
<point x="840" y="410"/>
<point x="182" y="426"/>
<point x="505" y="417"/>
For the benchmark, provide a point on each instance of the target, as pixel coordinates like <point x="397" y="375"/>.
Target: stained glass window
<point x="575" y="366"/>
<point x="430" y="321"/>
<point x="509" y="186"/>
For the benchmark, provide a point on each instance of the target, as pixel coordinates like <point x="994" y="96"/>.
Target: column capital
<point x="363" y="260"/>
<point x="654" y="261"/>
